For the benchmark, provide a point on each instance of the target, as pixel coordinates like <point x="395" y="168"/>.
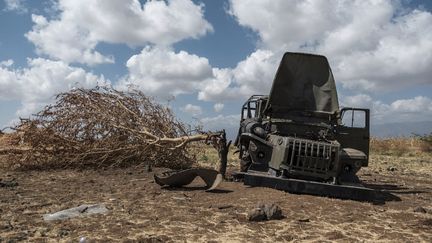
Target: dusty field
<point x="140" y="211"/>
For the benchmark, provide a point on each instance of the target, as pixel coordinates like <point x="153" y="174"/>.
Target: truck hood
<point x="303" y="82"/>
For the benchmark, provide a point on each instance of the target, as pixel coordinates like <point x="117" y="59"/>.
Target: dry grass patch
<point x="401" y="145"/>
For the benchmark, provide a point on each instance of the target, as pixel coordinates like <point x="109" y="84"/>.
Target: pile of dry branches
<point x="104" y="127"/>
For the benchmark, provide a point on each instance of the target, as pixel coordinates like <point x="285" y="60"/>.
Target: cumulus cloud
<point x="7" y="63"/>
<point x="415" y="105"/>
<point x="372" y="45"/>
<point x="418" y="108"/>
<point x="218" y="107"/>
<point x="220" y="122"/>
<point x="194" y="110"/>
<point x="218" y="86"/>
<point x="163" y="72"/>
<point x="73" y="35"/>
<point x="36" y="85"/>
<point x="254" y="75"/>
<point x="15" y="5"/>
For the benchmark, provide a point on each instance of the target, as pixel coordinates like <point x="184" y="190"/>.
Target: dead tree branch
<point x="104" y="127"/>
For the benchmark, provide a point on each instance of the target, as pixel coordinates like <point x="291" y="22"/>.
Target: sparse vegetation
<point x="426" y="144"/>
<point x="401" y="145"/>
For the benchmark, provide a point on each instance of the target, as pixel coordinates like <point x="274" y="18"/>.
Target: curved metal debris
<point x="212" y="178"/>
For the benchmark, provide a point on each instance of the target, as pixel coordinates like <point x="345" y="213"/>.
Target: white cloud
<point x="7" y="63"/>
<point x="74" y="34"/>
<point x="36" y="85"/>
<point x="15" y="5"/>
<point x="359" y="100"/>
<point x="217" y="87"/>
<point x="163" y="72"/>
<point x="372" y="45"/>
<point x="418" y="108"/>
<point x="194" y="110"/>
<point x="415" y="105"/>
<point x="218" y="107"/>
<point x="220" y="122"/>
<point x="254" y="75"/>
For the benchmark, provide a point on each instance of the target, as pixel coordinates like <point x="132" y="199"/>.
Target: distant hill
<point x="401" y="129"/>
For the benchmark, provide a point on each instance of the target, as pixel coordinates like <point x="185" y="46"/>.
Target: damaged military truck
<point x="298" y="139"/>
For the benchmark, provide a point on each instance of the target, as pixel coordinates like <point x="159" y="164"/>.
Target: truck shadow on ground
<point x="391" y="188"/>
<point x="195" y="188"/>
<point x="382" y="197"/>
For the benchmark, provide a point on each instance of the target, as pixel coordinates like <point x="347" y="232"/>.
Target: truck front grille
<point x="312" y="158"/>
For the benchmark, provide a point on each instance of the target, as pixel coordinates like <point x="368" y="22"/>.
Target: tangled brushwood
<point x="104" y="127"/>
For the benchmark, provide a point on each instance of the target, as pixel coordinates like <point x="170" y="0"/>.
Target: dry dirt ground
<point x="140" y="211"/>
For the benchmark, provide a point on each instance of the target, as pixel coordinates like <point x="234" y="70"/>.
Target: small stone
<point x="273" y="211"/>
<point x="63" y="232"/>
<point x="148" y="168"/>
<point x="224" y="206"/>
<point x="391" y="168"/>
<point x="8" y="183"/>
<point x="257" y="214"/>
<point x="265" y="212"/>
<point x="420" y="210"/>
<point x="427" y="222"/>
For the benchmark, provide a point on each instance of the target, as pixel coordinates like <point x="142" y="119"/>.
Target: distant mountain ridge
<point x="401" y="129"/>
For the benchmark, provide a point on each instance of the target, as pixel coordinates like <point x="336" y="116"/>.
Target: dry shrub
<point x="103" y="127"/>
<point x="426" y="142"/>
<point x="399" y="145"/>
<point x="8" y="140"/>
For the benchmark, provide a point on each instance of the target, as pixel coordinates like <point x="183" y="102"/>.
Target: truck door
<point x="353" y="132"/>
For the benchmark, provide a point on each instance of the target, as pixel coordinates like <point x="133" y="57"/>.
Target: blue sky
<point x="211" y="55"/>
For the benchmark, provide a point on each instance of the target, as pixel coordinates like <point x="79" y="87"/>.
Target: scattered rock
<point x="426" y="223"/>
<point x="41" y="232"/>
<point x="18" y="237"/>
<point x="224" y="206"/>
<point x="63" y="232"/>
<point x="391" y="168"/>
<point x="285" y="238"/>
<point x="334" y="235"/>
<point x="257" y="214"/>
<point x="304" y="220"/>
<point x="6" y="226"/>
<point x="153" y="239"/>
<point x="148" y="168"/>
<point x="181" y="198"/>
<point x="420" y="210"/>
<point x="9" y="183"/>
<point x="265" y="212"/>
